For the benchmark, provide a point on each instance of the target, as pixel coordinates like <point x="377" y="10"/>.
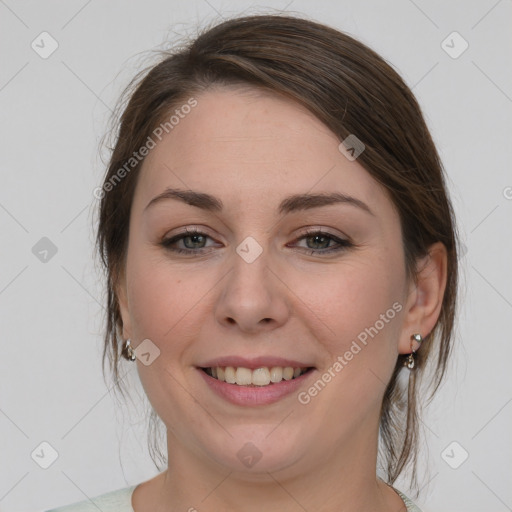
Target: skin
<point x="252" y="149"/>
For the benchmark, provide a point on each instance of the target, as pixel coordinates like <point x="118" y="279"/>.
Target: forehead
<point x="246" y="144"/>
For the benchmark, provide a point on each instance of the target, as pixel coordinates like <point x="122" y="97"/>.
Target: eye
<point x="323" y="239"/>
<point x="194" y="238"/>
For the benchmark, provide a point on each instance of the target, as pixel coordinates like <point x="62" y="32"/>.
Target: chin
<point x="257" y="451"/>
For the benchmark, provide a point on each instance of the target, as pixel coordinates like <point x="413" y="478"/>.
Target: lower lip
<point x="257" y="395"/>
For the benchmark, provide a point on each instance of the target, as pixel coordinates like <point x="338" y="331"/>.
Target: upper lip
<point x="253" y="363"/>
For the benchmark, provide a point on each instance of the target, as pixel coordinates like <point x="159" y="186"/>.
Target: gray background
<point x="54" y="112"/>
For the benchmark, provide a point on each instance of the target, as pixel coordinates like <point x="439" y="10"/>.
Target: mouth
<point x="257" y="377"/>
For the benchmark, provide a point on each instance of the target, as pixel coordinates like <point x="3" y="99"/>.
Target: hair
<point x="352" y="90"/>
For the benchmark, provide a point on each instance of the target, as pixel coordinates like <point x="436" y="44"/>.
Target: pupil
<point x="195" y="237"/>
<point x="316" y="237"/>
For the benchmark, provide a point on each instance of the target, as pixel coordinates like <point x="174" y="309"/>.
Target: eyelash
<point x="342" y="244"/>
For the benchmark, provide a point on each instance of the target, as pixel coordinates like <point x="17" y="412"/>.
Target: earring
<point x="410" y="362"/>
<point x="128" y="352"/>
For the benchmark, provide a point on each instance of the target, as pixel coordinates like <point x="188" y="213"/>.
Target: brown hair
<point x="352" y="90"/>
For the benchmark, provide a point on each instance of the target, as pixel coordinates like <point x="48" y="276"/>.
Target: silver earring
<point x="128" y="352"/>
<point x="410" y="362"/>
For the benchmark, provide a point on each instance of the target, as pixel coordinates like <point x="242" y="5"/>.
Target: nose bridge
<point x="252" y="296"/>
<point x="249" y="277"/>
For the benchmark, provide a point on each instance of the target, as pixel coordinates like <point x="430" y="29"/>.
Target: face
<point x="266" y="282"/>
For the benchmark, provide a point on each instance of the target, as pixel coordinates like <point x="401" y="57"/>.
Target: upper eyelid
<point x="307" y="230"/>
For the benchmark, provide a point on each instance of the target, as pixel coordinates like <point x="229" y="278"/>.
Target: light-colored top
<point x="114" y="501"/>
<point x="411" y="507"/>
<point x="121" y="501"/>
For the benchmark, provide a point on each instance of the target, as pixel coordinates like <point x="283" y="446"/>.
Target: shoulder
<point x="411" y="506"/>
<point x="119" y="500"/>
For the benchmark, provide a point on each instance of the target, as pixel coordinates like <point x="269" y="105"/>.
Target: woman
<point x="282" y="266"/>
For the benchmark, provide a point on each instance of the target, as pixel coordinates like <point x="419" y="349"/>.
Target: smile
<point x="262" y="385"/>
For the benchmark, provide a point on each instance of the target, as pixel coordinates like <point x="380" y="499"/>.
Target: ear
<point x="122" y="299"/>
<point x="425" y="297"/>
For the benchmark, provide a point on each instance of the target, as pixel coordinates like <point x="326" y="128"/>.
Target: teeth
<point x="230" y="375"/>
<point x="258" y="377"/>
<point x="243" y="376"/>
<point x="288" y="373"/>
<point x="276" y="374"/>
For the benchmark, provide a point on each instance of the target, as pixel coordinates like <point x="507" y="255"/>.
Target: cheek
<point x="355" y="299"/>
<point x="359" y="302"/>
<point x="364" y="309"/>
<point x="163" y="305"/>
<point x="360" y="307"/>
<point x="164" y="300"/>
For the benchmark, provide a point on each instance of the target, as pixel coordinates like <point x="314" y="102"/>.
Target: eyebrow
<point x="290" y="204"/>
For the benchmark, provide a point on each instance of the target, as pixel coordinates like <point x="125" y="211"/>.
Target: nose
<point x="254" y="297"/>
